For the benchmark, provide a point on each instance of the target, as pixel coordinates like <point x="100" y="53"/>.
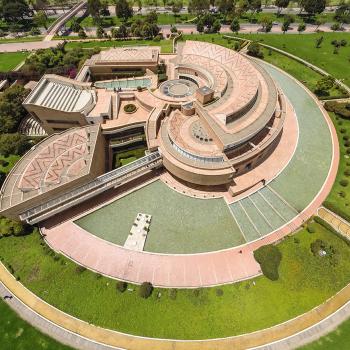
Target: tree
<point x="235" y="26"/>
<point x="342" y="14"/>
<point x="151" y="17"/>
<point x="301" y="27"/>
<point x="281" y="4"/>
<point x="226" y="6"/>
<point x="11" y="108"/>
<point x="13" y="144"/>
<point x="324" y="85"/>
<point x="177" y="6"/>
<point x="313" y="7"/>
<point x="216" y="26"/>
<point x="100" y="32"/>
<point x="198" y="6"/>
<point x="75" y="25"/>
<point x="319" y="42"/>
<point x="200" y="26"/>
<point x="40" y="19"/>
<point x="82" y="34"/>
<point x="146" y="290"/>
<point x="266" y="23"/>
<point x="122" y="31"/>
<point x="123" y="9"/>
<point x="94" y="7"/>
<point x="319" y="22"/>
<point x="285" y="26"/>
<point x="104" y="8"/>
<point x="254" y="50"/>
<point x="15" y="11"/>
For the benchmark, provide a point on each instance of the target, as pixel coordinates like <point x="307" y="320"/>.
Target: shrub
<point x="254" y="50"/>
<point x="340" y="108"/>
<point x="344" y="182"/>
<point x="172" y="294"/>
<point x="269" y="257"/>
<point x="296" y="240"/>
<point x="345" y="137"/>
<point x="342" y="131"/>
<point x="311" y="228"/>
<point x="130" y="108"/>
<point x="317" y="246"/>
<point x="347" y="144"/>
<point x="348" y="151"/>
<point x="219" y="292"/>
<point x="146" y="290"/>
<point x="4" y="163"/>
<point x="80" y="269"/>
<point x="347" y="172"/>
<point x="121" y="286"/>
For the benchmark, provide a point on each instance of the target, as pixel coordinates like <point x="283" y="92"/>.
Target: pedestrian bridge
<point x="114" y="178"/>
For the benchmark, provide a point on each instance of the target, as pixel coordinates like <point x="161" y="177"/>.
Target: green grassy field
<point x="339" y="198"/>
<point x="166" y="45"/>
<point x="304" y="46"/>
<point x="21" y="40"/>
<point x="11" y="161"/>
<point x="305" y="282"/>
<point x="11" y="60"/>
<point x="112" y="21"/>
<point x="16" y="334"/>
<point x="126" y="157"/>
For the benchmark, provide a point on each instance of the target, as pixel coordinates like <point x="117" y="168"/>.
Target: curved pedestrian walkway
<point x="77" y="333"/>
<point x="301" y="188"/>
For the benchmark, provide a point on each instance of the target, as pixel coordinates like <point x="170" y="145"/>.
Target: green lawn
<point x="339" y="198"/>
<point x="10" y="161"/>
<point x="112" y="21"/>
<point x="304" y="46"/>
<point x="11" y="60"/>
<point x="339" y="339"/>
<point x="305" y="282"/>
<point x="21" y="40"/>
<point x="165" y="45"/>
<point x="126" y="157"/>
<point x="16" y="334"/>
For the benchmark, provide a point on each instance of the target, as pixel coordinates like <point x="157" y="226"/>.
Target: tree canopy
<point x="11" y="109"/>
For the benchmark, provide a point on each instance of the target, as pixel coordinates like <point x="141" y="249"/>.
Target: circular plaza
<point x="223" y="155"/>
<point x="228" y="185"/>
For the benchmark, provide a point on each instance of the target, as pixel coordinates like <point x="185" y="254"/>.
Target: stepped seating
<point x="60" y="97"/>
<point x="30" y="126"/>
<point x="261" y="213"/>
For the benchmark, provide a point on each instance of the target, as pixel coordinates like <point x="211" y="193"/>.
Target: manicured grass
<point x="21" y="40"/>
<point x="11" y="60"/>
<point x="339" y="339"/>
<point x="305" y="282"/>
<point x="304" y="74"/>
<point x="126" y="157"/>
<point x="339" y="198"/>
<point x="11" y="160"/>
<point x="165" y="45"/>
<point x="304" y="46"/>
<point x="112" y="21"/>
<point x="16" y="334"/>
